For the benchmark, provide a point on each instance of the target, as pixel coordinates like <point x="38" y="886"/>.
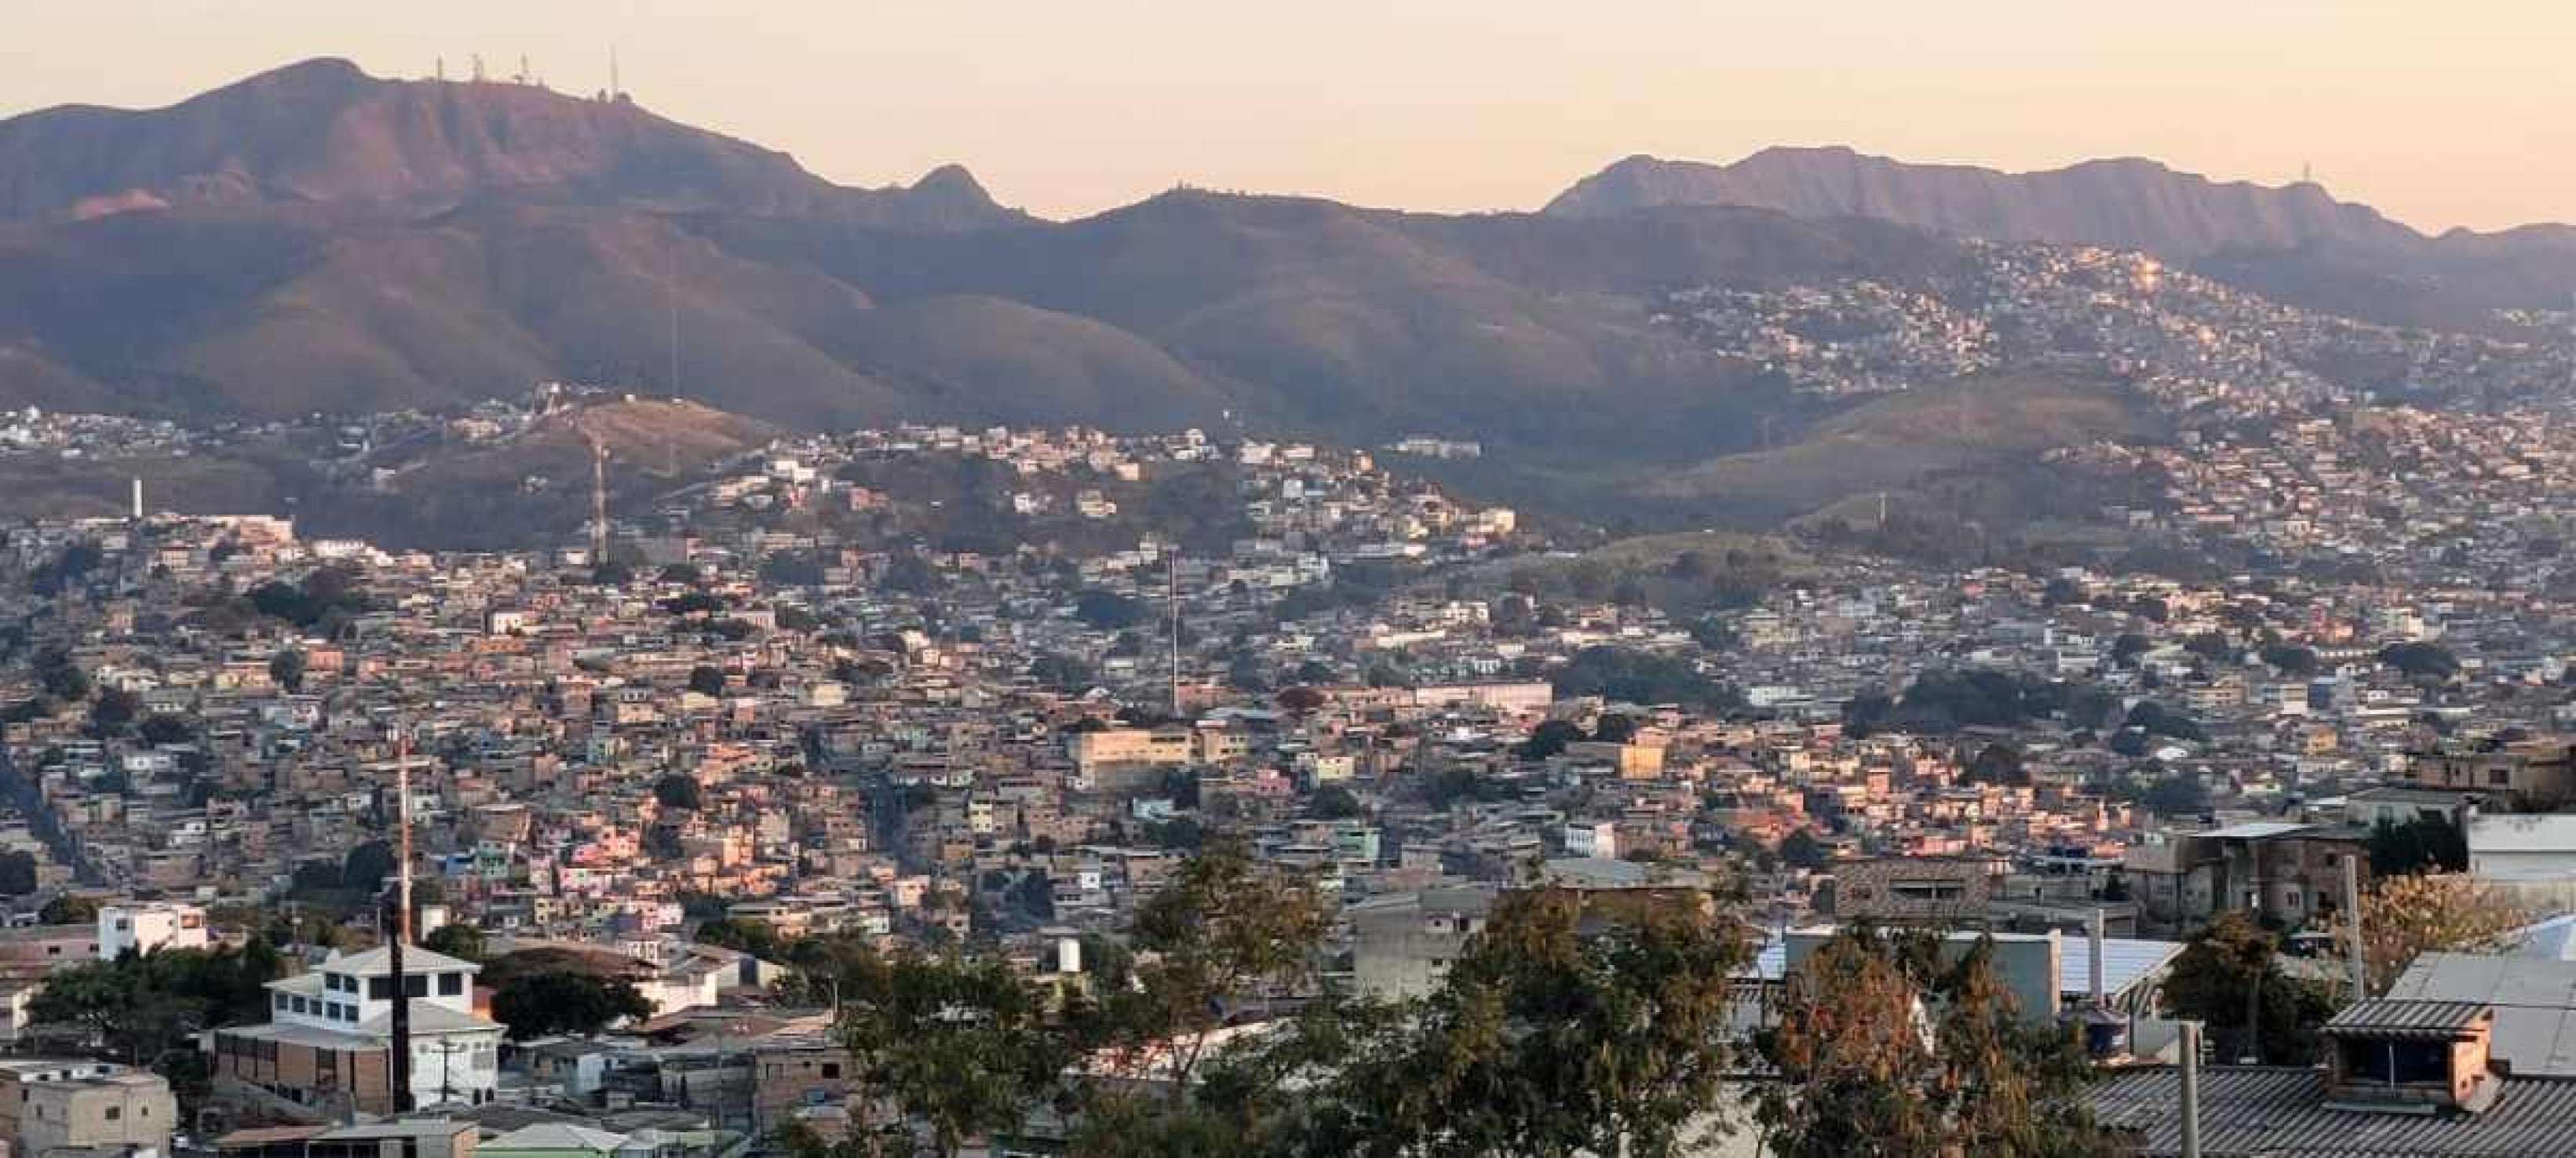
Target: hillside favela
<point x="1289" y="583"/>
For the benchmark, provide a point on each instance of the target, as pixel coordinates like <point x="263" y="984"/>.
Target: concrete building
<point x="142" y="928"/>
<point x="1917" y="890"/>
<point x="327" y="1042"/>
<point x="68" y="1107"/>
<point x="2523" y="848"/>
<point x="1403" y="943"/>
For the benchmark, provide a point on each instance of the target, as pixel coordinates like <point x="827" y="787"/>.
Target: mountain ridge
<point x="2122" y="202"/>
<point x="323" y="132"/>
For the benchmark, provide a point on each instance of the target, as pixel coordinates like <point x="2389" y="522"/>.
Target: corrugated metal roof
<point x="2406" y="1019"/>
<point x="2534" y="1003"/>
<point x="2255" y="830"/>
<point x="2258" y="1112"/>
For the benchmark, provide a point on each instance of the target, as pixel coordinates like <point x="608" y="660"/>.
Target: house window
<point x="115" y="1112"/>
<point x="380" y="989"/>
<point x="451" y="984"/>
<point x="2499" y="777"/>
<point x="282" y="1004"/>
<point x="831" y="1069"/>
<point x="416" y="984"/>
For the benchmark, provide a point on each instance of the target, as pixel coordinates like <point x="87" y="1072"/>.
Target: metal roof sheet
<point x="2251" y="1111"/>
<point x="2406" y="1018"/>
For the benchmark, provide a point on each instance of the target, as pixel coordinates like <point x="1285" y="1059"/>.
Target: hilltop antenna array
<point x="478" y="68"/>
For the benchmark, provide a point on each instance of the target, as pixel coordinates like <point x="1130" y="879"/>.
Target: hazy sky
<point x="2456" y="113"/>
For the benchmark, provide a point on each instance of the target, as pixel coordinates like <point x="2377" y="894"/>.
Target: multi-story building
<point x="59" y="1108"/>
<point x="328" y="1041"/>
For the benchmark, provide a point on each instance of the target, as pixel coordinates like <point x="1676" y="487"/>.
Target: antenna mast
<point x="598" y="500"/>
<point x="671" y="298"/>
<point x="1175" y="600"/>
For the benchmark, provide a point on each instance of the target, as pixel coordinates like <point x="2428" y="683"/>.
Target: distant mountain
<point x="317" y="240"/>
<point x="324" y="133"/>
<point x="2127" y="204"/>
<point x="2291" y="242"/>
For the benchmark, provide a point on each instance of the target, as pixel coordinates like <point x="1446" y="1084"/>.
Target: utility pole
<point x="400" y="1069"/>
<point x="2352" y="921"/>
<point x="1175" y="600"/>
<point x="2190" y="1046"/>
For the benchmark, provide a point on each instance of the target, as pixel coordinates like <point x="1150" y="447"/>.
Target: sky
<point x="2454" y="114"/>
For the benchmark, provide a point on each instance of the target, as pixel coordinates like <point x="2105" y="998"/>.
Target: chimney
<point x="2093" y="951"/>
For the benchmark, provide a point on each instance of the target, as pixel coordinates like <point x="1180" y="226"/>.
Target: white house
<point x="143" y="928"/>
<point x="343" y="1009"/>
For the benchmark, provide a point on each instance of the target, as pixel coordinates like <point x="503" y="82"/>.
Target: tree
<point x="113" y="711"/>
<point x="67" y="909"/>
<point x="1640" y="677"/>
<point x="757" y="938"/>
<point x="1549" y="739"/>
<point x="367" y="866"/>
<point x="1301" y="700"/>
<point x="2290" y="659"/>
<point x="1801" y="849"/>
<point x="549" y="1003"/>
<point x="1224" y="928"/>
<point x="461" y="941"/>
<point x="960" y="1046"/>
<point x="2422" y="662"/>
<point x="1108" y="610"/>
<point x="707" y="680"/>
<point x="2405" y="917"/>
<point x="1997" y="763"/>
<point x="2177" y="794"/>
<point x="2424" y="844"/>
<point x="1064" y="673"/>
<point x="2126" y="649"/>
<point x="286" y="668"/>
<point x="59" y="676"/>
<point x="1614" y="728"/>
<point x="679" y="790"/>
<point x="1861" y="1074"/>
<point x="161" y="728"/>
<point x="17" y="874"/>
<point x="2229" y="977"/>
<point x="1563" y="1027"/>
<point x="144" y="1007"/>
<point x="1334" y="802"/>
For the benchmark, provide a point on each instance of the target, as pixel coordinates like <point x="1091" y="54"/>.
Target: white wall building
<point x="144" y="928"/>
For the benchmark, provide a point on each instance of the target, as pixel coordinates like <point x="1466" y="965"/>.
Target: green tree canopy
<point x="544" y="1004"/>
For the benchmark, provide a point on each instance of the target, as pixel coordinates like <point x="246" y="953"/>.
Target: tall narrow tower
<point x="598" y="500"/>
<point x="1174" y="596"/>
<point x="399" y="1052"/>
<point x="138" y="498"/>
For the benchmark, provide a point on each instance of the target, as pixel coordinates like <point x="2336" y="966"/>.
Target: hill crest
<point x="2127" y="202"/>
<point x="323" y="132"/>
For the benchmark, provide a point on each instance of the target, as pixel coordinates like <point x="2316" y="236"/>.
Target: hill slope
<point x="2127" y="204"/>
<point x="323" y="133"/>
